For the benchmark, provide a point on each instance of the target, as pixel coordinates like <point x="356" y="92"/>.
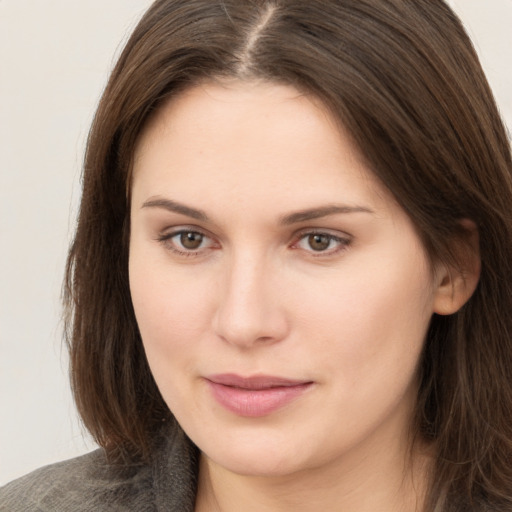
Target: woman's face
<point x="282" y="295"/>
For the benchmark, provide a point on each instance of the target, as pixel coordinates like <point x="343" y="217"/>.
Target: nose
<point x="250" y="310"/>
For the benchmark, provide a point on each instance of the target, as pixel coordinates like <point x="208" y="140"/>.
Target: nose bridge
<point x="249" y="309"/>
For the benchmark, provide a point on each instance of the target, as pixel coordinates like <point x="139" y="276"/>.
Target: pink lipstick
<point x="255" y="396"/>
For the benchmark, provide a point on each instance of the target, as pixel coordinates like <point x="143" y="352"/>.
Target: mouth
<point x="255" y="396"/>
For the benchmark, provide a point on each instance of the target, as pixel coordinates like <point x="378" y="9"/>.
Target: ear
<point x="456" y="282"/>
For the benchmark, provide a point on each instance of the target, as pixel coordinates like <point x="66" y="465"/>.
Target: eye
<point x="322" y="243"/>
<point x="319" y="242"/>
<point x="190" y="240"/>
<point x="186" y="242"/>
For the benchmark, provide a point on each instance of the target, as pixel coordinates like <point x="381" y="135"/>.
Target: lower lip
<point x="256" y="402"/>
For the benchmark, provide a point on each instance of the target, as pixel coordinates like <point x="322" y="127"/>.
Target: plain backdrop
<point x="55" y="56"/>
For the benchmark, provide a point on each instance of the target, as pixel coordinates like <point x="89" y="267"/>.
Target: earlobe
<point x="457" y="282"/>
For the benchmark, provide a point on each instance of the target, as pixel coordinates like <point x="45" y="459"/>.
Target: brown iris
<point x="191" y="240"/>
<point x="319" y="242"/>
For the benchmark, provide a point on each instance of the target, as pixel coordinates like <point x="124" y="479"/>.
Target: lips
<point x="255" y="396"/>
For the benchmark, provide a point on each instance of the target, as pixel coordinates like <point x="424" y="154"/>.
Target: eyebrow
<point x="323" y="211"/>
<point x="291" y="218"/>
<point x="174" y="206"/>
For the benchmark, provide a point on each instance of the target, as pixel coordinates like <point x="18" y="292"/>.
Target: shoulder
<point x="82" y="484"/>
<point x="89" y="483"/>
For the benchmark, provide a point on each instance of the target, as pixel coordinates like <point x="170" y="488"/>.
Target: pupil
<point x="319" y="242"/>
<point x="191" y="240"/>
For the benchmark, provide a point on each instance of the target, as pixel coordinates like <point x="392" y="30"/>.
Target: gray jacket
<point x="89" y="483"/>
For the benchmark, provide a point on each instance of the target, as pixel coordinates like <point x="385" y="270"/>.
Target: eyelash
<point x="342" y="242"/>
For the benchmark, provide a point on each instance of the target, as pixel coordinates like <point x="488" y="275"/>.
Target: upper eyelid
<point x="176" y="230"/>
<point x="334" y="233"/>
<point x="338" y="238"/>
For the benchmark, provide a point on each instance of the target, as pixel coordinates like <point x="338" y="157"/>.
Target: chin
<point x="257" y="456"/>
<point x="257" y="465"/>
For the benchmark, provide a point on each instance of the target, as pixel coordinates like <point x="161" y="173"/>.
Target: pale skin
<point x="261" y="244"/>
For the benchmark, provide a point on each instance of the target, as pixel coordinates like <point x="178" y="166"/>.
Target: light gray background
<point x="54" y="60"/>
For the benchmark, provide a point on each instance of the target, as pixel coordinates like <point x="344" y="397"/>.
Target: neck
<point x="387" y="479"/>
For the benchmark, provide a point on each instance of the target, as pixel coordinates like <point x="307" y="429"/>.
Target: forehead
<point x="250" y="139"/>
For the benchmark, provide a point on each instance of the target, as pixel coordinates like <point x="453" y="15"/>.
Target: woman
<point x="290" y="282"/>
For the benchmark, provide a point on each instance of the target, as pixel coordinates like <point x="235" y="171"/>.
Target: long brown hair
<point x="404" y="80"/>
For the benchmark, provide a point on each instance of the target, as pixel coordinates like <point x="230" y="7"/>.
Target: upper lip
<point x="254" y="382"/>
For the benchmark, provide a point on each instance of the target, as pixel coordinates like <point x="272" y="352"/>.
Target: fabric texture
<point x="90" y="483"/>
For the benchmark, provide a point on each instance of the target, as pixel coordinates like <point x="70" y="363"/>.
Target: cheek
<point x="371" y="321"/>
<point x="172" y="308"/>
<point x="172" y="314"/>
